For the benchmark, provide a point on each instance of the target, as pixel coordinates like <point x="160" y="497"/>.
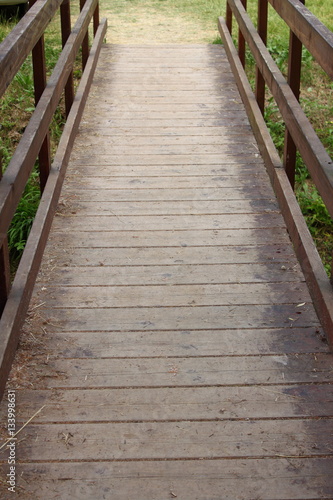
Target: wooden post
<point x="294" y="80"/>
<point x="241" y="41"/>
<point x="4" y="268"/>
<point x="96" y="19"/>
<point x="39" y="72"/>
<point x="262" y="31"/>
<point x="228" y="18"/>
<point x="85" y="42"/>
<point x="65" y="16"/>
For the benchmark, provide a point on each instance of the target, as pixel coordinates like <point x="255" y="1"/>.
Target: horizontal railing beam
<point x="313" y="34"/>
<point x="21" y="40"/>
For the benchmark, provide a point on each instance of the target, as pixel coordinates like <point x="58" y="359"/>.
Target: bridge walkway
<point x="172" y="349"/>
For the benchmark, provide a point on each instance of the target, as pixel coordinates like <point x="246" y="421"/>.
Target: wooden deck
<point x="172" y="345"/>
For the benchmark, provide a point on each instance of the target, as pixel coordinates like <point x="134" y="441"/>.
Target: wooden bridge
<point x="172" y="348"/>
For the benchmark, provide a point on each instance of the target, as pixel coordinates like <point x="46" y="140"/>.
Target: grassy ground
<point x="180" y="21"/>
<point x="162" y="21"/>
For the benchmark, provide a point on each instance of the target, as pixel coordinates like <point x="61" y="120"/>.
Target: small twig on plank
<point x="36" y="307"/>
<point x="21" y="429"/>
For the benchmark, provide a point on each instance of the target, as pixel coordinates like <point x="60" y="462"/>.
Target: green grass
<point x="207" y="11"/>
<point x="22" y="221"/>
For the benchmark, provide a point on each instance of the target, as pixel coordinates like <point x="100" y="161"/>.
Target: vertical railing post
<point x="294" y="80"/>
<point x="262" y="31"/>
<point x="4" y="267"/>
<point x="85" y="42"/>
<point x="65" y="17"/>
<point x="241" y="41"/>
<point x="39" y="72"/>
<point x="228" y="18"/>
<point x="96" y="19"/>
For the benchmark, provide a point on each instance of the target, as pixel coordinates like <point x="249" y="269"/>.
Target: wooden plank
<point x="237" y="170"/>
<point x="194" y="343"/>
<point x="151" y="83"/>
<point x="183" y="318"/>
<point x="148" y="115"/>
<point x="183" y="372"/>
<point x="171" y="159"/>
<point x="194" y="207"/>
<point x="175" y="132"/>
<point x="177" y="66"/>
<point x="121" y="441"/>
<point x="292" y="478"/>
<point x="4" y="266"/>
<point x="222" y="153"/>
<point x="175" y="274"/>
<point x="232" y="168"/>
<point x="150" y="89"/>
<point x="165" y="60"/>
<point x="180" y="138"/>
<point x="79" y="192"/>
<point x="175" y="295"/>
<point x="170" y="47"/>
<point x="179" y="404"/>
<point x="97" y="257"/>
<point x="168" y="222"/>
<point x="199" y="96"/>
<point x="169" y="73"/>
<point x="231" y="105"/>
<point x="128" y="167"/>
<point x="136" y="239"/>
<point x="217" y="108"/>
<point x="4" y="274"/>
<point x="172" y="65"/>
<point x="195" y="122"/>
<point x="161" y="183"/>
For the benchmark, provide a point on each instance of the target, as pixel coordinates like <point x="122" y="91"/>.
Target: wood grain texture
<point x="178" y="351"/>
<point x="296" y="478"/>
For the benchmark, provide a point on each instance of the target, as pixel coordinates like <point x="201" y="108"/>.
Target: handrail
<point x="307" y="29"/>
<point x="313" y="34"/>
<point x="21" y="40"/>
<point x="23" y="160"/>
<point x="27" y="37"/>
<point x="309" y="145"/>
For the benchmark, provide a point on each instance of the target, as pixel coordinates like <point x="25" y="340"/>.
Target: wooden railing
<point x="307" y="30"/>
<point x="28" y="37"/>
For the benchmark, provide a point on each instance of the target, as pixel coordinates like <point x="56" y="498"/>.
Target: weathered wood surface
<point x="172" y="344"/>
